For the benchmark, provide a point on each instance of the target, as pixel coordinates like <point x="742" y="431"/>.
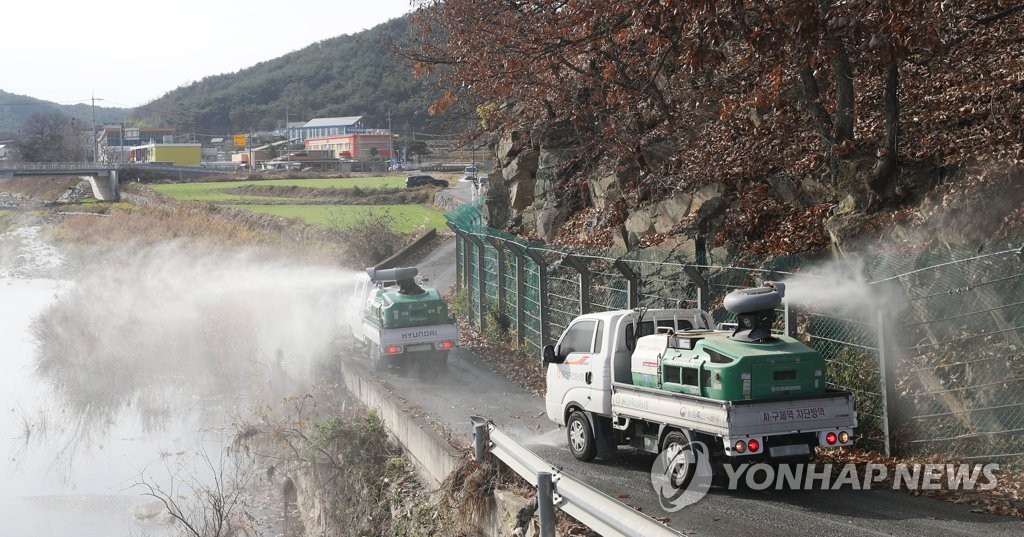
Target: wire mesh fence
<point x="936" y="363"/>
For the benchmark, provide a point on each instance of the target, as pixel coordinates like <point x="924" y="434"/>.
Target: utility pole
<point x="287" y="140"/>
<point x="95" y="145"/>
<point x="391" y="139"/>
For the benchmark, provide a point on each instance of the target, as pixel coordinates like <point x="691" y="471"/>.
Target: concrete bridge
<point x="102" y="177"/>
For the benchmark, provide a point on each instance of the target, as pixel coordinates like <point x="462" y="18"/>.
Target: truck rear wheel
<point x="580" y="436"/>
<point x="376" y="360"/>
<point x="681" y="459"/>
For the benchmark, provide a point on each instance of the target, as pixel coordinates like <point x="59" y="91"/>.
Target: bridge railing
<point x="35" y="166"/>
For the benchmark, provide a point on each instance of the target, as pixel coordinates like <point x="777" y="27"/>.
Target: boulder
<point x="604" y="191"/>
<point x="667" y="214"/>
<point x="639" y="223"/>
<point x="787" y="191"/>
<point x="548" y="219"/>
<point x="680" y="245"/>
<point x="498" y="211"/>
<point x="705" y="193"/>
<point x="620" y="239"/>
<point x="844" y="230"/>
<point x="711" y="214"/>
<point x="509" y="146"/>
<point x="523" y="167"/>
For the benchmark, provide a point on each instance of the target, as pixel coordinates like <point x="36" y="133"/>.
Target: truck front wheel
<point x="581" y="437"/>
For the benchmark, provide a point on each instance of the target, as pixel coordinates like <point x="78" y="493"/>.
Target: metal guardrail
<point x="595" y="509"/>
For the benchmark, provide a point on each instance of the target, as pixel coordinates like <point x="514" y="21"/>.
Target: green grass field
<point x="407" y="217"/>
<point x="216" y="192"/>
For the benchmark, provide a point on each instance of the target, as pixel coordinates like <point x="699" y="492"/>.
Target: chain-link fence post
<point x="703" y="290"/>
<point x="543" y="314"/>
<point x="790" y="318"/>
<point x="460" y="256"/>
<point x="584" y="281"/>
<point x="499" y="251"/>
<point x="887" y="380"/>
<point x="517" y="252"/>
<point x="481" y="278"/>
<point x="632" y="283"/>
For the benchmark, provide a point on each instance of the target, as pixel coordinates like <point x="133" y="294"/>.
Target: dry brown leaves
<point x="519" y="367"/>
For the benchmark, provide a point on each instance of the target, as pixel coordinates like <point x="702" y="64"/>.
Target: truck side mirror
<point x="548" y="355"/>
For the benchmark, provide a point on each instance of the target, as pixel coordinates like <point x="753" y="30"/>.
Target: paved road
<point x="470" y="387"/>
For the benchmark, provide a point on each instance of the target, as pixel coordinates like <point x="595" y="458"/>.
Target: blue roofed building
<point x="324" y="126"/>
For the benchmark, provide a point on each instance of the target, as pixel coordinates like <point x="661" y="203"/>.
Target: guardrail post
<point x="520" y="290"/>
<point x="479" y="441"/>
<point x="546" y="504"/>
<point x="584" y="281"/>
<point x="632" y="283"/>
<point x="703" y="291"/>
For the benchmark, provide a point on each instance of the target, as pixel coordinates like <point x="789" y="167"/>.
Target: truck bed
<point x="831" y="410"/>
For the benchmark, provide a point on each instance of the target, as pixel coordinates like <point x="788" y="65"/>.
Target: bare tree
<point x="50" y="137"/>
<point x="205" y="495"/>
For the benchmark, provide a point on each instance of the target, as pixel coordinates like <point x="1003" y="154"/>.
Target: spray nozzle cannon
<point x="405" y="277"/>
<point x="755" y="311"/>
<point x="778" y="286"/>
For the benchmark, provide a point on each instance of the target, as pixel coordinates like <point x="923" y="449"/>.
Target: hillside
<point x="16" y="109"/>
<point x="343" y="76"/>
<point x="759" y="128"/>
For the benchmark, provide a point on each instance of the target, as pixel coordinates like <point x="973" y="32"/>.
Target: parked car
<point x="414" y="181"/>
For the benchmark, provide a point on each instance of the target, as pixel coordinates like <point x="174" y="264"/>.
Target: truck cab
<point x="595" y="351"/>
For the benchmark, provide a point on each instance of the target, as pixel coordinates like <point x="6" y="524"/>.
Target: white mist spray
<point x="193" y="320"/>
<point x="839" y="289"/>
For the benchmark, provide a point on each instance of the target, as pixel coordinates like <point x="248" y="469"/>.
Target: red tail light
<point x="394" y="349"/>
<point x="447" y="345"/>
<point x="831" y="438"/>
<point x="753" y="444"/>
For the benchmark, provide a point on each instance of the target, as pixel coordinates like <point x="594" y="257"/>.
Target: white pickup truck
<point x="660" y="379"/>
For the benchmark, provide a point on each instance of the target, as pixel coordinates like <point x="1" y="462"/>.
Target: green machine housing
<point x="748" y="363"/>
<point x="399" y="302"/>
<point x="712" y="365"/>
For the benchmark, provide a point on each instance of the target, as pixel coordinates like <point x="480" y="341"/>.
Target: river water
<point x="74" y="466"/>
<point x="52" y="483"/>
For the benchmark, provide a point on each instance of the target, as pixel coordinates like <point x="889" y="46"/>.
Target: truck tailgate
<point x="833" y="410"/>
<point x="412" y="336"/>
